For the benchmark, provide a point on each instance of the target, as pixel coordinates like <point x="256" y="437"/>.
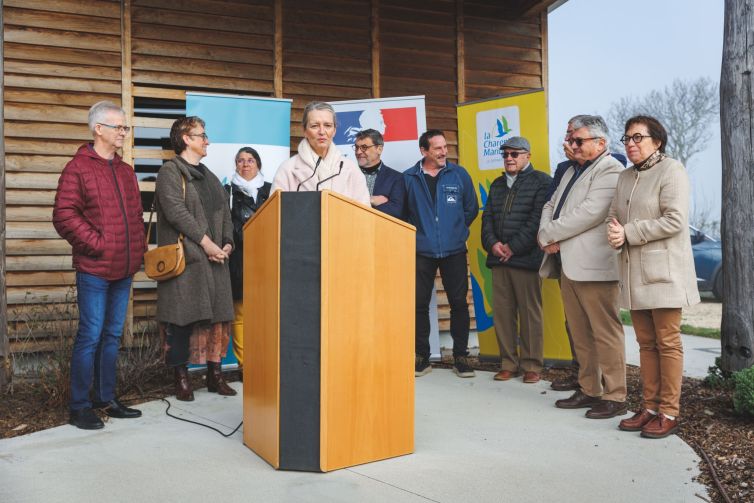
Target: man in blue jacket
<point x="441" y="204"/>
<point x="386" y="189"/>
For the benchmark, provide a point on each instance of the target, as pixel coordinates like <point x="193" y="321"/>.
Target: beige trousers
<point x="591" y="308"/>
<point x="517" y="311"/>
<point x="658" y="332"/>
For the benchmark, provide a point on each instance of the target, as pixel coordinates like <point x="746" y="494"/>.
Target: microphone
<point x="319" y="159"/>
<point x="331" y="176"/>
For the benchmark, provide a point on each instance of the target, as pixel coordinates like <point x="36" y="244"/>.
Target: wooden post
<point x="127" y="103"/>
<point x="278" y="68"/>
<point x="737" y="135"/>
<point x="460" y="53"/>
<point x="375" y="29"/>
<point x="6" y="369"/>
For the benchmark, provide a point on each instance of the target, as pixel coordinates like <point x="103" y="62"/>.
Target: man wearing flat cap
<point x="509" y="234"/>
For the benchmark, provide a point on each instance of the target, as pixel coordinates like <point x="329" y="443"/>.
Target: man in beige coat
<point x="572" y="235"/>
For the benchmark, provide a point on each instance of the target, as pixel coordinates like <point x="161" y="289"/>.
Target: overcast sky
<point x="602" y="50"/>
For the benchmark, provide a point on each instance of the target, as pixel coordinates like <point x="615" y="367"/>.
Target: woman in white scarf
<point x="319" y="164"/>
<point x="248" y="191"/>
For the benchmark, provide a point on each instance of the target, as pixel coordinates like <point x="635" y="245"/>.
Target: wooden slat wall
<point x="63" y="55"/>
<point x="326" y="54"/>
<point x="203" y="44"/>
<point x="418" y="56"/>
<point x="503" y="55"/>
<point x="60" y="57"/>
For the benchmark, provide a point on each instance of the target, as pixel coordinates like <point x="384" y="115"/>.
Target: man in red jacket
<point x="98" y="211"/>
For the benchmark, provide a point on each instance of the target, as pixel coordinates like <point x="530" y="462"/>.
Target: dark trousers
<point x="455" y="280"/>
<point x="177" y="340"/>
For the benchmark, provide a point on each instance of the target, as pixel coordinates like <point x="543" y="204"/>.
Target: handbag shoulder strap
<point x="151" y="212"/>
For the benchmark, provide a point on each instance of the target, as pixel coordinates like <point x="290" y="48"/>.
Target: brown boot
<point x="183" y="389"/>
<point x="215" y="381"/>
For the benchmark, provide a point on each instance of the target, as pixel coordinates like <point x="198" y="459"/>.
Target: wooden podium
<point x="328" y="333"/>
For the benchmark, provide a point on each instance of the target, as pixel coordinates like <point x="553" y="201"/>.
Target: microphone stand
<point x="319" y="159"/>
<point x="331" y="176"/>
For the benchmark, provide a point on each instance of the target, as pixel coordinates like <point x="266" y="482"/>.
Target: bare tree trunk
<point x="5" y="357"/>
<point x="737" y="133"/>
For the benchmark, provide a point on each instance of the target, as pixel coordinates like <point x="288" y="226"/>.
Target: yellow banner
<point x="482" y="127"/>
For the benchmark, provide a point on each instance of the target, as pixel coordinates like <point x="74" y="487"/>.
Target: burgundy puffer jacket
<point x="98" y="211"/>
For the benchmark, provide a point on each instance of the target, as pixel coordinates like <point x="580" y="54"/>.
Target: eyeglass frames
<point x="636" y="137"/>
<point x="513" y="155"/>
<point x="580" y="141"/>
<point x="203" y="136"/>
<point x="362" y="148"/>
<point x="121" y="129"/>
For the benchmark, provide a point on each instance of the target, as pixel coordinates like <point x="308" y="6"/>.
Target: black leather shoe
<point x="606" y="409"/>
<point x="114" y="408"/>
<point x="569" y="383"/>
<point x="85" y="419"/>
<point x="577" y="401"/>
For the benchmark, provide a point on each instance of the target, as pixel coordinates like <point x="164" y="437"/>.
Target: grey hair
<point x="576" y="118"/>
<point x="99" y="110"/>
<point x="372" y="134"/>
<point x="595" y="124"/>
<point x="318" y="105"/>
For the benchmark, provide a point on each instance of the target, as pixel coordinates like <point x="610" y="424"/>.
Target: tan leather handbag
<point x="167" y="261"/>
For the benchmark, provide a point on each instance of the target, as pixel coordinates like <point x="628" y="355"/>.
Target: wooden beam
<point x="545" y="64"/>
<point x="126" y="89"/>
<point x="161" y="93"/>
<point x="460" y="54"/>
<point x="5" y="357"/>
<point x="541" y="7"/>
<point x="278" y="70"/>
<point x="375" y="20"/>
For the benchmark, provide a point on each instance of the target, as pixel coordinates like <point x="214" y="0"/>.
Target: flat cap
<point x="516" y="143"/>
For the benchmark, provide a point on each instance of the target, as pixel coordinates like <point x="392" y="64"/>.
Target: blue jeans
<point x="102" y="313"/>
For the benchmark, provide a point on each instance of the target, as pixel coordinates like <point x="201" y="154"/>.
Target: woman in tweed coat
<point x="196" y="307"/>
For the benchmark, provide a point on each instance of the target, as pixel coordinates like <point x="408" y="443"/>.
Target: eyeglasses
<point x="121" y="129"/>
<point x="513" y="155"/>
<point x="580" y="141"/>
<point x="203" y="136"/>
<point x="636" y="137"/>
<point x="362" y="148"/>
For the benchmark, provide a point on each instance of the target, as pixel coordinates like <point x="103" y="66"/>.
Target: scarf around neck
<point x="248" y="187"/>
<point x="329" y="165"/>
<point x="650" y="161"/>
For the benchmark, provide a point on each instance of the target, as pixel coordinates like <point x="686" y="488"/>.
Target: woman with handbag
<point x="248" y="191"/>
<point x="195" y="306"/>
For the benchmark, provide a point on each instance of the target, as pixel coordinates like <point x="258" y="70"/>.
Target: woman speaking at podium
<point x="319" y="165"/>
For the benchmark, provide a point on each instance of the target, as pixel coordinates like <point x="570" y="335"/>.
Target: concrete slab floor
<point x="476" y="440"/>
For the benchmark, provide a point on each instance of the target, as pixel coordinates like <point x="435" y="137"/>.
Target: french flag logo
<point x="395" y="124"/>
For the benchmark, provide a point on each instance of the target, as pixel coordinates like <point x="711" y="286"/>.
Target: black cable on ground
<point x="226" y="435"/>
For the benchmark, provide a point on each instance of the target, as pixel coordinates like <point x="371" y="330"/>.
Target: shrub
<point x="717" y="378"/>
<point x="743" y="396"/>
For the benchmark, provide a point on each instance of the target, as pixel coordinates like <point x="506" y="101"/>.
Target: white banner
<point x="400" y="121"/>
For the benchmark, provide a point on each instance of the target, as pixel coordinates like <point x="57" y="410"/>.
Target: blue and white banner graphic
<point x="400" y="120"/>
<point x="233" y="122"/>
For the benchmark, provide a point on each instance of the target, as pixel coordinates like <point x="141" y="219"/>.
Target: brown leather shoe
<point x="215" y="381"/>
<point x="605" y="409"/>
<point x="569" y="383"/>
<point x="505" y="375"/>
<point x="660" y="427"/>
<point x="637" y="421"/>
<point x="531" y="377"/>
<point x="577" y="401"/>
<point x="183" y="390"/>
